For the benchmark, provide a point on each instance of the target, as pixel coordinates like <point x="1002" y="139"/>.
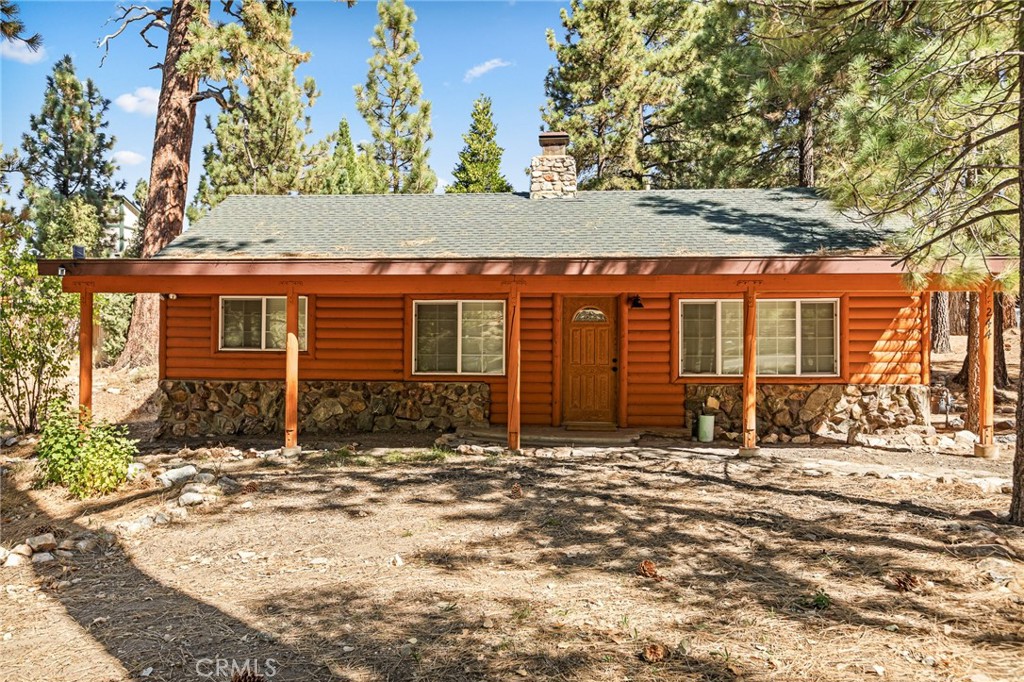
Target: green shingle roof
<point x="620" y="224"/>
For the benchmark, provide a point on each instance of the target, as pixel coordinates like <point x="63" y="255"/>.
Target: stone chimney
<point x="553" y="173"/>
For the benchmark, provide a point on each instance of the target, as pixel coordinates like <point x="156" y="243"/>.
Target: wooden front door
<point x="590" y="360"/>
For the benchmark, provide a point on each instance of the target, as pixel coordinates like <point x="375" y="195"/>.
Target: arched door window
<point x="589" y="314"/>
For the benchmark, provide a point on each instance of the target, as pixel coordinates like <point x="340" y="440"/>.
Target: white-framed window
<point x="795" y="337"/>
<point x="458" y="337"/>
<point x="258" y="322"/>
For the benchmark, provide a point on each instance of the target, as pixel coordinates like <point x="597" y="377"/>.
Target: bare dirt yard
<point x="372" y="563"/>
<point x="389" y="559"/>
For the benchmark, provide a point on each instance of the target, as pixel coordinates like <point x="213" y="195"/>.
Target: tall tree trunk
<point x="806" y="171"/>
<point x="1017" y="498"/>
<point x="1009" y="310"/>
<point x="940" y="322"/>
<point x="958" y="319"/>
<point x="1001" y="375"/>
<point x="168" y="179"/>
<point x="970" y="371"/>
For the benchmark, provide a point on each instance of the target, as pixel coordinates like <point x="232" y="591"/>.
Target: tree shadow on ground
<point x="577" y="521"/>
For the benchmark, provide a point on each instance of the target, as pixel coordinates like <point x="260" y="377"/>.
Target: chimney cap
<point x="554" y="139"/>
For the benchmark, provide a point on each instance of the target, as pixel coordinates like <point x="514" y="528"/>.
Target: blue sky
<point x="471" y="47"/>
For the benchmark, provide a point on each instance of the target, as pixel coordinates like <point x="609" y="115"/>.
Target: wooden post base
<point x="989" y="451"/>
<point x="291" y="451"/>
<point x="747" y="453"/>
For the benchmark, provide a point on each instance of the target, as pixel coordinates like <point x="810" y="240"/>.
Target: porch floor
<point x="560" y="436"/>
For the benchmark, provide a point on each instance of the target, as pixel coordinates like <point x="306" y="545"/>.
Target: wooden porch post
<point x="513" y="368"/>
<point x="85" y="350"/>
<point x="291" y="374"/>
<point x="749" y="445"/>
<point x="986" y="446"/>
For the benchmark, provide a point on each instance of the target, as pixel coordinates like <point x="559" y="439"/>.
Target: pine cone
<point x="906" y="581"/>
<point x="516" y="493"/>
<point x="654" y="653"/>
<point x="647" y="569"/>
<point x="251" y="487"/>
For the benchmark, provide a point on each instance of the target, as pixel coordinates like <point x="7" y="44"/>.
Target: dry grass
<point x="755" y="573"/>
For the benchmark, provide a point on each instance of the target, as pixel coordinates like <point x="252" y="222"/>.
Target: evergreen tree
<point x="392" y="102"/>
<point x="344" y="171"/>
<point x="259" y="138"/>
<point x="600" y="89"/>
<point x="937" y="135"/>
<point x="479" y="168"/>
<point x="12" y="28"/>
<point x="67" y="149"/>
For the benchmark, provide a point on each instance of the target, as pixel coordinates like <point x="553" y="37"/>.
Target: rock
<point x="136" y="469"/>
<point x="22" y="549"/>
<point x="992" y="484"/>
<point x="67" y="545"/>
<point x="467" y="449"/>
<point x="712" y="403"/>
<point x="1000" y="571"/>
<point x="965" y="437"/>
<point x="946" y="442"/>
<point x="985" y="514"/>
<point x="1006" y="424"/>
<point x="161" y="519"/>
<point x="956" y="423"/>
<point x="228" y="485"/>
<point x="15" y="560"/>
<point x="174" y="476"/>
<point x="42" y="543"/>
<point x="802" y="439"/>
<point x="190" y="499"/>
<point x="86" y="545"/>
<point x="42" y="558"/>
<point x="177" y="513"/>
<point x="247" y="504"/>
<point x="63" y="554"/>
<point x="770" y="438"/>
<point x="204" y="478"/>
<point x="396" y="561"/>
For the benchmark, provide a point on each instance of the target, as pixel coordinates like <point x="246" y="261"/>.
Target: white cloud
<point x="481" y="69"/>
<point x="125" y="157"/>
<point x="142" y="101"/>
<point x="19" y="51"/>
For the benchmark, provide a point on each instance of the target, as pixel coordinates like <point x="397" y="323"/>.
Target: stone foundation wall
<point x="836" y="411"/>
<point x="256" y="408"/>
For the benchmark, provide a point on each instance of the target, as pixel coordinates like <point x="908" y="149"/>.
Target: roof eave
<point x="689" y="265"/>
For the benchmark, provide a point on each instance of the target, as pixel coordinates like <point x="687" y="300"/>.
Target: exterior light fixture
<point x="635" y="302"/>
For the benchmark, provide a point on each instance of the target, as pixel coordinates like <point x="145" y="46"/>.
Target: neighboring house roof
<point x="615" y="224"/>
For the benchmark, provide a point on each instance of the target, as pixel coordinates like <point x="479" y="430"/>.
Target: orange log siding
<point x="369" y="338"/>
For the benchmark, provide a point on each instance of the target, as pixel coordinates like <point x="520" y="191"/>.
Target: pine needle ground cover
<point x="648" y="563"/>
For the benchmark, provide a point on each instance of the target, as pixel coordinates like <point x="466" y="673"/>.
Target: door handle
<point x="615" y="369"/>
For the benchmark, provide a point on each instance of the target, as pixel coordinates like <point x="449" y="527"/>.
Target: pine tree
<point x="344" y="171"/>
<point x="600" y="89"/>
<point x="479" y="168"/>
<point x="259" y="138"/>
<point x="938" y="134"/>
<point x="67" y="149"/>
<point x="12" y="28"/>
<point x="392" y="102"/>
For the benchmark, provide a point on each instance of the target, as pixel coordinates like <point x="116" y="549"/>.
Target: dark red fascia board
<point x="782" y="265"/>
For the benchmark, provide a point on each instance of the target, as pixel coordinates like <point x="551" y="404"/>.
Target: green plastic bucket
<point x="706" y="428"/>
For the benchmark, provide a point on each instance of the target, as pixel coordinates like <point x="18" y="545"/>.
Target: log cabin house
<point x="765" y="307"/>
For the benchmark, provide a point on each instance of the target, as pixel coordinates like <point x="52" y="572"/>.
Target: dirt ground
<point x="390" y="560"/>
<point x="414" y="565"/>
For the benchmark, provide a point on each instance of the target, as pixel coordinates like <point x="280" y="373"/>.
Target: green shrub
<point x="90" y="458"/>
